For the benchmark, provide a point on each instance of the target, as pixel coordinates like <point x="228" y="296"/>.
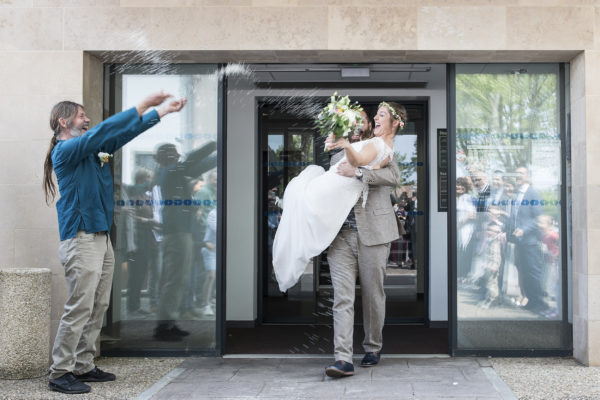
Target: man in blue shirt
<point x="79" y="158"/>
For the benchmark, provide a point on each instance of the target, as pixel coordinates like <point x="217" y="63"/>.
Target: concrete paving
<point x="304" y="378"/>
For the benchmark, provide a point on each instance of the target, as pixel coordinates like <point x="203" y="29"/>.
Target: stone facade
<point x="54" y="49"/>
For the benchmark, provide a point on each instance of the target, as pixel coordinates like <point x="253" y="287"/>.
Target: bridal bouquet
<point x="339" y="117"/>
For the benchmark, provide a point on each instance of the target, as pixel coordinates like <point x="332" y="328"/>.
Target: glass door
<point x="166" y="286"/>
<point x="288" y="145"/>
<point x="287" y="148"/>
<point x="509" y="227"/>
<point x="407" y="270"/>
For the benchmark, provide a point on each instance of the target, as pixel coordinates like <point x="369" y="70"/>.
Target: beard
<point x="76" y="132"/>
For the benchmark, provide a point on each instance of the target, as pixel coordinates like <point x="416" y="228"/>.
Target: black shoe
<point x="370" y="359"/>
<point x="69" y="384"/>
<point x="340" y="369"/>
<point x="166" y="334"/>
<point x="175" y="329"/>
<point x="96" y="375"/>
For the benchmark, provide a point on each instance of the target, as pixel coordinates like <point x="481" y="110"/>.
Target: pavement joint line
<point x="498" y="384"/>
<point x="234" y="374"/>
<point x="327" y="356"/>
<point x="162" y="382"/>
<point x="262" y="388"/>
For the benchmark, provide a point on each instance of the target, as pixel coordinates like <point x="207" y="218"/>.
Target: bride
<point x="316" y="202"/>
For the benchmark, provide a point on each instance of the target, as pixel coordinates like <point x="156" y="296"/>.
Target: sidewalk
<point x="304" y="378"/>
<point x="396" y="377"/>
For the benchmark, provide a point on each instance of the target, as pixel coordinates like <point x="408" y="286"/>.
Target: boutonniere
<point x="103" y="158"/>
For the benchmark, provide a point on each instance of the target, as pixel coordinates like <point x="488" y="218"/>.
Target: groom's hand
<point x="346" y="169"/>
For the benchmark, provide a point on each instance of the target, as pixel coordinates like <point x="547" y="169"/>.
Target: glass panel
<point x="166" y="219"/>
<point x="287" y="149"/>
<point x="298" y="156"/>
<point x="508" y="205"/>
<point x="274" y="182"/>
<point x="404" y="282"/>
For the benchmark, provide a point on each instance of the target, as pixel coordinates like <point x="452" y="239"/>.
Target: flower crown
<point x="393" y="112"/>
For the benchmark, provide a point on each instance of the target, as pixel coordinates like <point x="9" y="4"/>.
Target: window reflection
<point x="166" y="208"/>
<point x="508" y="248"/>
<point x="180" y="218"/>
<point x="508" y="209"/>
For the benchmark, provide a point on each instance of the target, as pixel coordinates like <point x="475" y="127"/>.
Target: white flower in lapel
<point x="104" y="158"/>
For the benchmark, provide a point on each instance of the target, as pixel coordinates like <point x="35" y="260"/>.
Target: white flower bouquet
<point x="339" y="117"/>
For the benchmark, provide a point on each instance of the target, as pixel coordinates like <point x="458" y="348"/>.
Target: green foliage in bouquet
<point x="339" y="117"/>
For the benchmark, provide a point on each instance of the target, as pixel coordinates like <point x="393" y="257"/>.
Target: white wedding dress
<point x="315" y="205"/>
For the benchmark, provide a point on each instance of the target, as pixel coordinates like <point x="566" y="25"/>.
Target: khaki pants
<point x="89" y="262"/>
<point x="347" y="258"/>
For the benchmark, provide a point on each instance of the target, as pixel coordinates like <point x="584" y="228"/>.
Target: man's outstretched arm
<point x="117" y="130"/>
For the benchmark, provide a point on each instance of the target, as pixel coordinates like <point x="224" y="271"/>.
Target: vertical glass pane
<point x="287" y="147"/>
<point x="274" y="185"/>
<point x="404" y="283"/>
<point x="299" y="156"/>
<point x="508" y="205"/>
<point x="166" y="219"/>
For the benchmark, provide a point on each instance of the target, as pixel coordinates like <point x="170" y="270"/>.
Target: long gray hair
<point x="66" y="110"/>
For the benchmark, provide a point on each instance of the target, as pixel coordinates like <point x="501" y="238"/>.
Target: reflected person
<point x="491" y="249"/>
<point x="511" y="287"/>
<point x="174" y="180"/>
<point x="551" y="251"/>
<point x="206" y="200"/>
<point x="526" y="237"/>
<point x="141" y="256"/>
<point x="497" y="188"/>
<point x="480" y="181"/>
<point x="465" y="226"/>
<point x="209" y="255"/>
<point x="482" y="188"/>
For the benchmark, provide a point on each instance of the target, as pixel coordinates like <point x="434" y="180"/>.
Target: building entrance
<point x="300" y="320"/>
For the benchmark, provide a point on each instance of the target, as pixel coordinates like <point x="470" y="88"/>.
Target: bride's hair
<point x="400" y="111"/>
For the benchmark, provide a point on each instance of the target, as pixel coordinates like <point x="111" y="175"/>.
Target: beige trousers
<point x="89" y="262"/>
<point x="347" y="258"/>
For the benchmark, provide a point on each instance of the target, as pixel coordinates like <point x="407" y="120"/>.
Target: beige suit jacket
<point x="376" y="222"/>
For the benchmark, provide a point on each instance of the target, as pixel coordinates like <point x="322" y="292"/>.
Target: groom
<point x="362" y="248"/>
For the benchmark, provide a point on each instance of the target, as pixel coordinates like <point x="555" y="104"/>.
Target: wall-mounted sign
<point x="442" y="147"/>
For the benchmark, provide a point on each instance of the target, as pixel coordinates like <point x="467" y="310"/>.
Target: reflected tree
<point x="496" y="115"/>
<point x="408" y="168"/>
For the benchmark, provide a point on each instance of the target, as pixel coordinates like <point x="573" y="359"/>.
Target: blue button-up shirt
<point x="86" y="189"/>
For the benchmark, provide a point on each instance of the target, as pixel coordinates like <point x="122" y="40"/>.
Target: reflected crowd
<point x="168" y="220"/>
<point x="507" y="245"/>
<point x="403" y="252"/>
